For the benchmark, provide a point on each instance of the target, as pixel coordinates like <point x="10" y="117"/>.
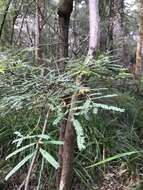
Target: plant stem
<point x="35" y="155"/>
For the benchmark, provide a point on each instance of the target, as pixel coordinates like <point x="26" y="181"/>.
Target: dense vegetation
<point x="71" y="88"/>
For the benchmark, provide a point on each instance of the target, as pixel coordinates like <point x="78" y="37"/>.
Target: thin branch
<point x="30" y="170"/>
<point x="4" y="17"/>
<point x="22" y="25"/>
<point x="35" y="155"/>
<point x="23" y="20"/>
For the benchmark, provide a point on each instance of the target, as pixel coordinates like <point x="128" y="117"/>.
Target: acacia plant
<point x="58" y="99"/>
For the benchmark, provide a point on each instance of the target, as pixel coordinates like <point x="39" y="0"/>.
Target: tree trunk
<point x="66" y="131"/>
<point x="110" y="26"/>
<point x="75" y="44"/>
<point x="68" y="147"/>
<point x="94" y="26"/>
<point x="64" y="11"/>
<point x="68" y="151"/>
<point x="117" y="29"/>
<point x="38" y="33"/>
<point x="138" y="66"/>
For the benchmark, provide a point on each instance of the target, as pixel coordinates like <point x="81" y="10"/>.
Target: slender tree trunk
<point x="68" y="147"/>
<point x="12" y="32"/>
<point x="94" y="26"/>
<point x="119" y="33"/>
<point x="111" y="26"/>
<point x="64" y="11"/>
<point x="66" y="131"/>
<point x="124" y="46"/>
<point x="106" y="9"/>
<point x="138" y="66"/>
<point x="75" y="44"/>
<point x="38" y="33"/>
<point x="68" y="151"/>
<point x="69" y="137"/>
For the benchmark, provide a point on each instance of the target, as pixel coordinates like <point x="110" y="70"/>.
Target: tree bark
<point x="68" y="147"/>
<point x="38" y="33"/>
<point x="68" y="150"/>
<point x="120" y="44"/>
<point x="66" y="131"/>
<point x="64" y="11"/>
<point x="110" y="27"/>
<point x="138" y="66"/>
<point x="94" y="20"/>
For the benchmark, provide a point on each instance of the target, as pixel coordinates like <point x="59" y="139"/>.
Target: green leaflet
<point x="19" y="150"/>
<point x="49" y="158"/>
<point x="114" y="158"/>
<point x="86" y="106"/>
<point x="107" y="96"/>
<point x="106" y="107"/>
<point x="55" y="142"/>
<point x="46" y="137"/>
<point x="80" y="134"/>
<point x="19" y="165"/>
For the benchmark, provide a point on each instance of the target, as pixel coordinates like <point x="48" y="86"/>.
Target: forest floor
<point x="113" y="179"/>
<point x="120" y="179"/>
<point x="117" y="179"/>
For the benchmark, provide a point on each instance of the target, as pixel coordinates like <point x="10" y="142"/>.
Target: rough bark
<point x="117" y="22"/>
<point x="138" y="66"/>
<point x="106" y="11"/>
<point x="120" y="42"/>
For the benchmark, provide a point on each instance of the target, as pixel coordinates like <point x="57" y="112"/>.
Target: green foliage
<point x="19" y="165"/>
<point x="20" y="150"/>
<point x="80" y="134"/>
<point x="28" y="91"/>
<point x="114" y="158"/>
<point x="2" y="3"/>
<point x="45" y="154"/>
<point x="106" y="124"/>
<point x="49" y="158"/>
